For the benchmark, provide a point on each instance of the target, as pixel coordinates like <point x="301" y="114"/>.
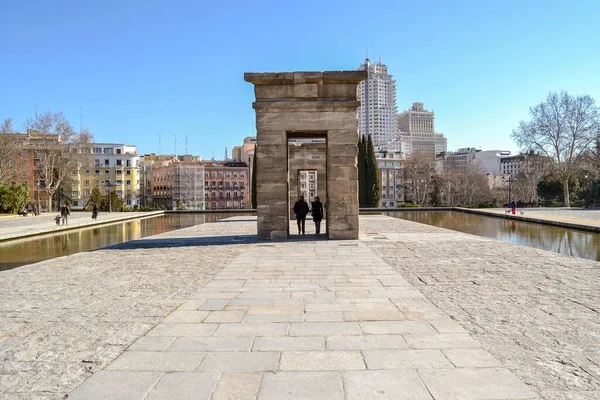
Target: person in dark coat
<point x="513" y="207"/>
<point x="301" y="211"/>
<point x="95" y="211"/>
<point x="64" y="215"/>
<point x="317" y="214"/>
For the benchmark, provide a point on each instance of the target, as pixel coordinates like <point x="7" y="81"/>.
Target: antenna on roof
<point x="186" y="143"/>
<point x="225" y="159"/>
<point x="175" y="145"/>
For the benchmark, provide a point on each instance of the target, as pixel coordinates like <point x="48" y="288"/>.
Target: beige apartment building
<point x="416" y="131"/>
<point x="115" y="167"/>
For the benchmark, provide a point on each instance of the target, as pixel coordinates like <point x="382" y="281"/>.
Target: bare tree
<point x="419" y="171"/>
<point x="58" y="150"/>
<point x="563" y="127"/>
<point x="9" y="151"/>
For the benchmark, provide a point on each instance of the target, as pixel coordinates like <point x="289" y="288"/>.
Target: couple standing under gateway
<point x="301" y="210"/>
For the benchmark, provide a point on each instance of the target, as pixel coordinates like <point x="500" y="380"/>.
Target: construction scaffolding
<point x="188" y="186"/>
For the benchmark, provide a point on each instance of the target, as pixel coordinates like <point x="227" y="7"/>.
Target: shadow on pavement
<point x="184" y="242"/>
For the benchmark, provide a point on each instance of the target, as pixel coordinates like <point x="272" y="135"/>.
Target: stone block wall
<point x="305" y="104"/>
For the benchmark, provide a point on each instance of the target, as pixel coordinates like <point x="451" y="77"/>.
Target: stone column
<point x="302" y="104"/>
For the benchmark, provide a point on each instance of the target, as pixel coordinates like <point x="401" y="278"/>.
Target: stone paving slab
<point x="514" y="313"/>
<point x="534" y="311"/>
<point x="575" y="216"/>
<point x="63" y="319"/>
<point x="359" y="330"/>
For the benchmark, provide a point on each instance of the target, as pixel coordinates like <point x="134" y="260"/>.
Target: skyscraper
<point x="377" y="113"/>
<point x="417" y="131"/>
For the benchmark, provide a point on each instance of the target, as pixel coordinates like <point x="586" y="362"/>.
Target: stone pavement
<point x="575" y="216"/>
<point x="63" y="319"/>
<point x="445" y="308"/>
<point x="535" y="311"/>
<point x="12" y="227"/>
<point x="305" y="320"/>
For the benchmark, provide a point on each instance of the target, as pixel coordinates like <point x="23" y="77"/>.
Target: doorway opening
<point x="307" y="175"/>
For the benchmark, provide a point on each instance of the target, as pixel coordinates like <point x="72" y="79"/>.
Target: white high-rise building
<point x="377" y="112"/>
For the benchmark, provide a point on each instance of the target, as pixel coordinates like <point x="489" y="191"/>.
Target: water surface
<point x="28" y="251"/>
<point x="560" y="240"/>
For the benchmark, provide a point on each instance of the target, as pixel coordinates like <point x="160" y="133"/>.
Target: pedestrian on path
<point x="95" y="211"/>
<point x="317" y="214"/>
<point x="513" y="207"/>
<point x="301" y="211"/>
<point x="64" y="214"/>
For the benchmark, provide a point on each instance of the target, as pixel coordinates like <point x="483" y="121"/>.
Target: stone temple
<point x="307" y="105"/>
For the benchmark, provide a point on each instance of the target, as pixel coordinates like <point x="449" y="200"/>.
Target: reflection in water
<point x="28" y="251"/>
<point x="561" y="240"/>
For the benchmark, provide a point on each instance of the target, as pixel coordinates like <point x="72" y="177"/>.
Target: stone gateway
<point x="292" y="105"/>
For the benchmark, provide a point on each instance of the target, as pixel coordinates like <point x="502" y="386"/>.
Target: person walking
<point x="95" y="211"/>
<point x="317" y="214"/>
<point x="513" y="207"/>
<point x="301" y="211"/>
<point x="64" y="215"/>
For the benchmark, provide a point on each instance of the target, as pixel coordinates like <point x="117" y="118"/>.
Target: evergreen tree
<point x="372" y="179"/>
<point x="253" y="188"/>
<point x="362" y="185"/>
<point x="96" y="196"/>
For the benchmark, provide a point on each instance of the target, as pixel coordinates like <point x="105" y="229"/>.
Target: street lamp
<point x="509" y="180"/>
<point x="38" y="196"/>
<point x="587" y="193"/>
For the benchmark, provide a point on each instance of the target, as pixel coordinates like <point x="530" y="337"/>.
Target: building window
<point x="128" y="172"/>
<point x="96" y="163"/>
<point x="106" y="172"/>
<point x="119" y="172"/>
<point x="97" y="150"/>
<point x="87" y="183"/>
<point x="119" y="163"/>
<point x="106" y="162"/>
<point x="86" y="192"/>
<point x="118" y="151"/>
<point x="128" y="182"/>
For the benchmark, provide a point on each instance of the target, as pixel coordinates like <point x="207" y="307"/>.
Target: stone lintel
<point x="290" y="78"/>
<point x="306" y="105"/>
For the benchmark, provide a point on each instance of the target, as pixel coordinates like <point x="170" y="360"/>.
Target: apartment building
<point x="226" y="185"/>
<point x="513" y="165"/>
<point x="391" y="168"/>
<point x="114" y="167"/>
<point x="307" y="182"/>
<point x="178" y="185"/>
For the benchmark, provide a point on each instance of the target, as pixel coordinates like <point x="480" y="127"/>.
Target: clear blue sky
<point x="138" y="68"/>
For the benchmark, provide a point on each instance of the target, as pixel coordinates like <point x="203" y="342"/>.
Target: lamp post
<point x="38" y="196"/>
<point x="586" y="191"/>
<point x="509" y="180"/>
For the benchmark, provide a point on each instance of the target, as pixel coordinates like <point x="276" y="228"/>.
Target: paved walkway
<point x="408" y="311"/>
<point x="305" y="320"/>
<point x="12" y="227"/>
<point x="575" y="216"/>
